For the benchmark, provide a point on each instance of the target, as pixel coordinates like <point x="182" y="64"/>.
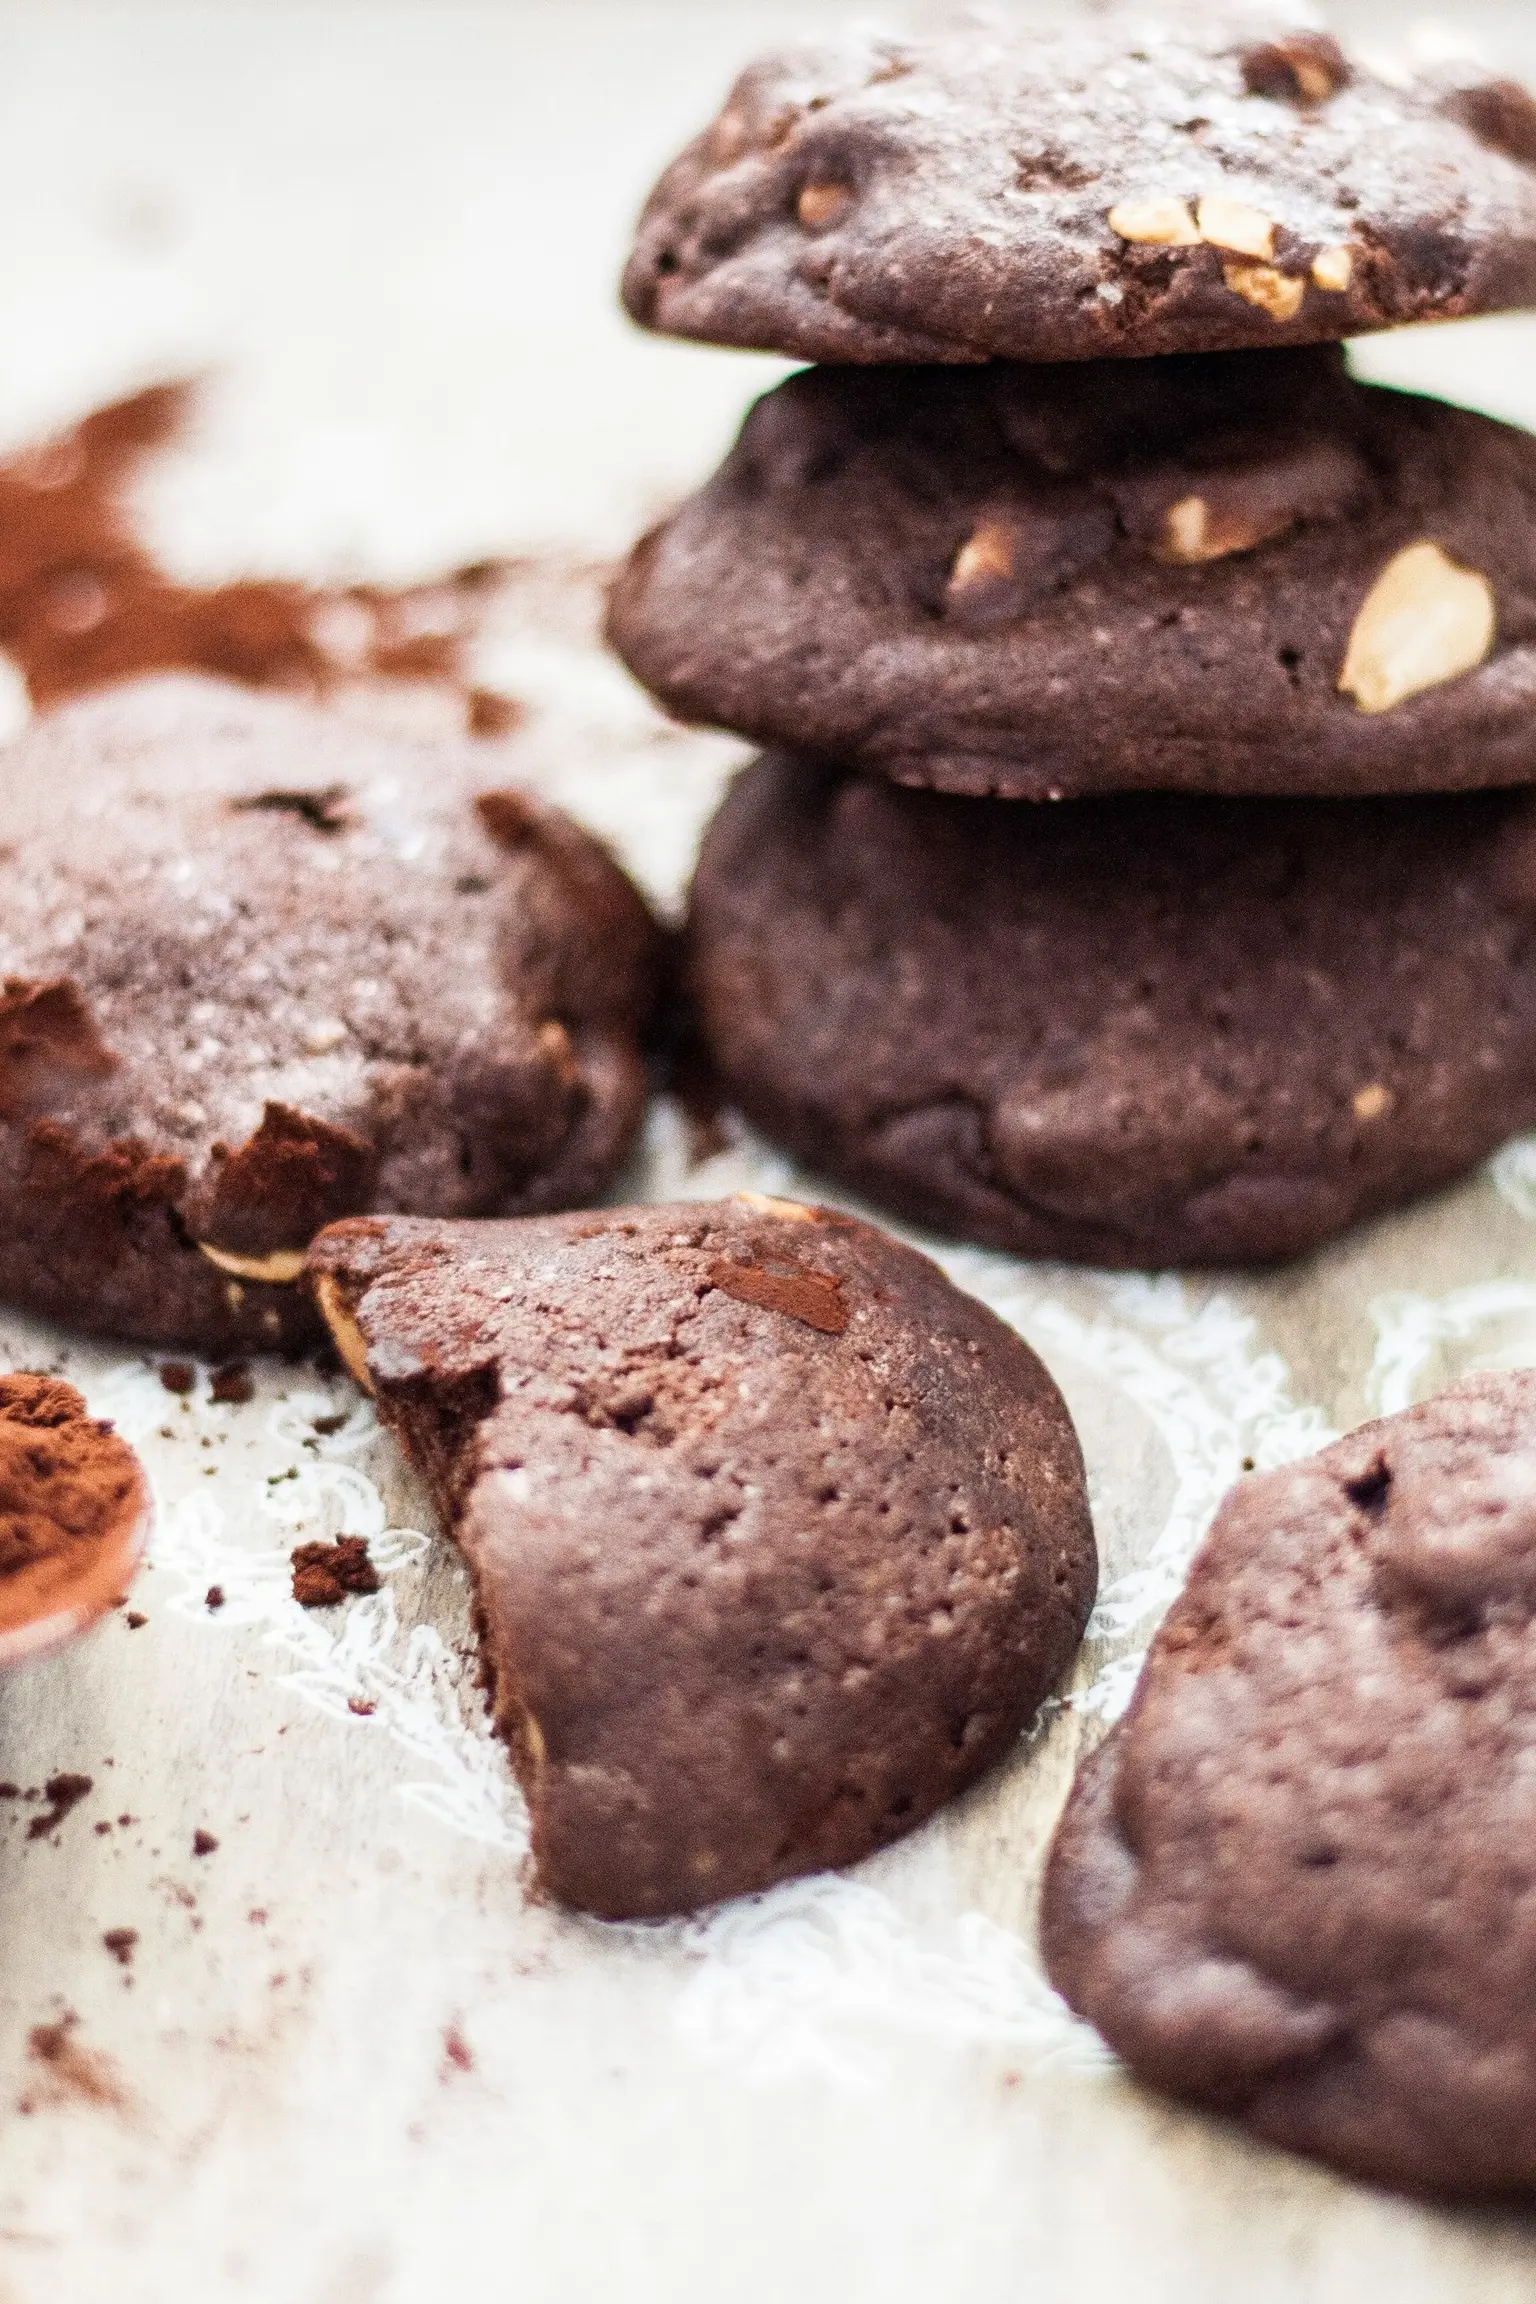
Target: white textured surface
<point x="392" y="229"/>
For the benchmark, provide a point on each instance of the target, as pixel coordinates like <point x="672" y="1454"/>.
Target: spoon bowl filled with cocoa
<point x="75" y="1515"/>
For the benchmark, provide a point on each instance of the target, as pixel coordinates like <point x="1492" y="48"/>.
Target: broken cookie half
<point x="778" y="1540"/>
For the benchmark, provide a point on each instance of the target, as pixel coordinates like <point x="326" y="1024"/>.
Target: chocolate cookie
<point x="1221" y="178"/>
<point x="777" y="1539"/>
<point x="1239" y="575"/>
<point x="1298" y="1884"/>
<point x="261" y="969"/>
<point x="1139" y="1031"/>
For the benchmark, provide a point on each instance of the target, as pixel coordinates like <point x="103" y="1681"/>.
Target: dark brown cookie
<point x="1232" y="575"/>
<point x="262" y="969"/>
<point x="1221" y="178"/>
<point x="1298" y="1884"/>
<point x="1134" y="1032"/>
<point x="777" y="1539"/>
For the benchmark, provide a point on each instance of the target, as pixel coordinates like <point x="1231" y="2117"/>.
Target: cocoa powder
<point x="68" y="1485"/>
<point x="83" y="601"/>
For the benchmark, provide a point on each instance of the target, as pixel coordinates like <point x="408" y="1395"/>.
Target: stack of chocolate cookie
<point x="1082" y="505"/>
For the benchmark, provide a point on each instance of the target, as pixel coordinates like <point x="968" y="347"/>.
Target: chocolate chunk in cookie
<point x="262" y="969"/>
<point x="1138" y="1031"/>
<point x="1234" y="575"/>
<point x="777" y="1539"/>
<point x="1218" y="179"/>
<point x="1298" y="1883"/>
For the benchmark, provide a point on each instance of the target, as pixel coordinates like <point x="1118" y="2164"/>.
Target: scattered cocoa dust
<point x="82" y="600"/>
<point x="71" y="2071"/>
<point x="326" y="1573"/>
<point x="68" y="1484"/>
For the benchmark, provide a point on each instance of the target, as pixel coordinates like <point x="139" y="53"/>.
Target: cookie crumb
<point x="178" y="1375"/>
<point x="63" y="1792"/>
<point x="326" y="1573"/>
<point x="457" y="2054"/>
<point x="213" y="1598"/>
<point x="203" y="1843"/>
<point x="134" y="1621"/>
<point x="232" y="1384"/>
<point x="120" y="1943"/>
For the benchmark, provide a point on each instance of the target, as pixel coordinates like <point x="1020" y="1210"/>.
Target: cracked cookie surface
<point x="777" y="1539"/>
<point x="1200" y="180"/>
<point x="261" y="969"/>
<point x="1298" y="1882"/>
<point x="1135" y="1031"/>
